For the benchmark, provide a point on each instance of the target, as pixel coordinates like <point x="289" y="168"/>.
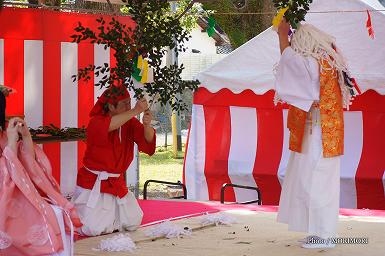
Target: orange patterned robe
<point x="331" y="110"/>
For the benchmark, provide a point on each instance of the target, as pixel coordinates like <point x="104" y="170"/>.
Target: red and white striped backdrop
<point x="243" y="139"/>
<point x="38" y="59"/>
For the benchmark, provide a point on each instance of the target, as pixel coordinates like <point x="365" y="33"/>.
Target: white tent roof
<point x="251" y="65"/>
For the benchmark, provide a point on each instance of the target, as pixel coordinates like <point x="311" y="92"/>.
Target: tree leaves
<point x="156" y="29"/>
<point x="296" y="12"/>
<point x="239" y="28"/>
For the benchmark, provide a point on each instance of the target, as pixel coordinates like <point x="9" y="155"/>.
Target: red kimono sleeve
<point x="139" y="139"/>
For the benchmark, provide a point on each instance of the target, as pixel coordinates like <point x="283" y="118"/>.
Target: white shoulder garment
<point x="297" y="79"/>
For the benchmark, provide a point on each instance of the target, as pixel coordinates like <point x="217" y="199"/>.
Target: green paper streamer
<point x="136" y="70"/>
<point x="211" y="26"/>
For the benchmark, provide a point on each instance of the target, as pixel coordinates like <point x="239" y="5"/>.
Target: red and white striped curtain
<point x="38" y="59"/>
<point x="243" y="139"/>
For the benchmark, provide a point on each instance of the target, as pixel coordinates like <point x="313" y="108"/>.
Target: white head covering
<point x="308" y="40"/>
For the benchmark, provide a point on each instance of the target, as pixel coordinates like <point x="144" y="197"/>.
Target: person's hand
<point x="147" y="117"/>
<point x="13" y="133"/>
<point x="283" y="28"/>
<point x="22" y="128"/>
<point x="5" y="92"/>
<point x="141" y="105"/>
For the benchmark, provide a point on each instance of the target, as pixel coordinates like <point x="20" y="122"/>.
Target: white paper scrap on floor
<point x="254" y="233"/>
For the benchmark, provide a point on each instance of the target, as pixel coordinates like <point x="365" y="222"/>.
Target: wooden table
<point x="54" y="139"/>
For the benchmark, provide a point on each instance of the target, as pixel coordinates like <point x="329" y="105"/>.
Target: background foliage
<point x="241" y="28"/>
<point x="156" y="29"/>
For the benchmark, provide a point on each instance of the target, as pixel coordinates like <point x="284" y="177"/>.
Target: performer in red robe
<point x="102" y="199"/>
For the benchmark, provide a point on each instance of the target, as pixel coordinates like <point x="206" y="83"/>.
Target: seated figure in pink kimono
<point x="35" y="219"/>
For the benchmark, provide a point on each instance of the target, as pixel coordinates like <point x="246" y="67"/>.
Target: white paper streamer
<point x="117" y="243"/>
<point x="217" y="219"/>
<point x="168" y="230"/>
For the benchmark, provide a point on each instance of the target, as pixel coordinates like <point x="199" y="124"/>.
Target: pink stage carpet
<point x="158" y="210"/>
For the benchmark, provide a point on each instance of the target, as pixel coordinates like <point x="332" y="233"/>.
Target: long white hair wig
<point x="308" y="41"/>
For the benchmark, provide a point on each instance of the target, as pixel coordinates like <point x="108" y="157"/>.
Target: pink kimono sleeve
<point x="27" y="222"/>
<point x="39" y="170"/>
<point x="6" y="188"/>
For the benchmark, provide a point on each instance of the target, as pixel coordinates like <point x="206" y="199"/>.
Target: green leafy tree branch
<point x="296" y="12"/>
<point x="156" y="30"/>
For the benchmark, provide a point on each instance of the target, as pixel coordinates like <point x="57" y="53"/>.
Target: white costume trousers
<point x="110" y="213"/>
<point x="311" y="188"/>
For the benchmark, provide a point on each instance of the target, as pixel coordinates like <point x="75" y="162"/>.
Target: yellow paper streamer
<point x="145" y="72"/>
<point x="278" y="17"/>
<point x="140" y="62"/>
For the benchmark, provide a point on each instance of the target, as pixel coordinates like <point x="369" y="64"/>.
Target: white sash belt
<point x="95" y="192"/>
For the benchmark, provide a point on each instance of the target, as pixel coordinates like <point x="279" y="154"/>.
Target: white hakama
<point x="310" y="192"/>
<point x="108" y="213"/>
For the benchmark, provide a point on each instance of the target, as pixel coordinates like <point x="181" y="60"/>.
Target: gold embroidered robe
<point x="331" y="110"/>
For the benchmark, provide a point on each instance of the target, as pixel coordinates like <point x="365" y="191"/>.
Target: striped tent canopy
<point x="38" y="58"/>
<point x="238" y="136"/>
